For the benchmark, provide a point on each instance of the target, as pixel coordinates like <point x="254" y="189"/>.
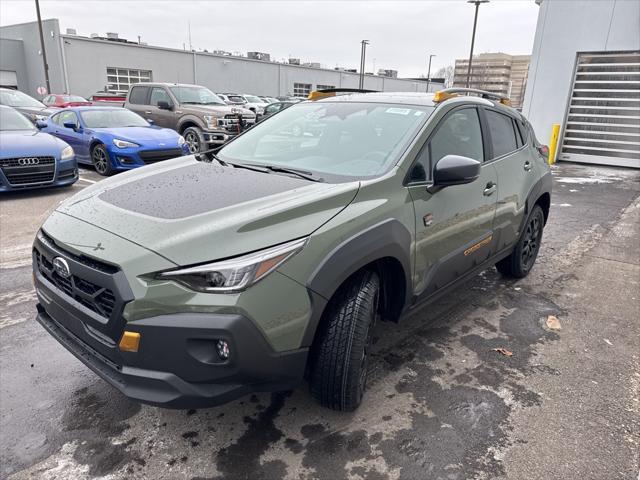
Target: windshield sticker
<point x="399" y="111"/>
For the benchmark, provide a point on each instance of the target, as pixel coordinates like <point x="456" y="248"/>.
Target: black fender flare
<point x="542" y="186"/>
<point x="389" y="238"/>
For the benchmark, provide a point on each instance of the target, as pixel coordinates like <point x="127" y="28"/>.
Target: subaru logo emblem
<point x="61" y="267"/>
<point x="28" y="161"/>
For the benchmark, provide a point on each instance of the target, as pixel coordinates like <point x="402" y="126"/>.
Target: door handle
<point x="148" y="112"/>
<point x="489" y="189"/>
<point x="527" y="166"/>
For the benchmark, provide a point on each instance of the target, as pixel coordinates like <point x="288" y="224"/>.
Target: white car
<point x="255" y="104"/>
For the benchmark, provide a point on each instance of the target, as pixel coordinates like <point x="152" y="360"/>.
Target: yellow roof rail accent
<point x="441" y="96"/>
<point x="317" y="95"/>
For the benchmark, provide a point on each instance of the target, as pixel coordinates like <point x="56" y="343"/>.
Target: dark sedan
<point x="28" y="106"/>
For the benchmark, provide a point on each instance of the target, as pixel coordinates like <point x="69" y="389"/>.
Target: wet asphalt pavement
<point x="442" y="404"/>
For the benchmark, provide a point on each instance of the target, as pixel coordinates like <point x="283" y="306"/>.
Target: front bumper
<point x="186" y="371"/>
<point x="134" y="157"/>
<point x="57" y="174"/>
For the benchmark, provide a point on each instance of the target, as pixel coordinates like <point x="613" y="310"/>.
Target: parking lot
<point x="444" y="403"/>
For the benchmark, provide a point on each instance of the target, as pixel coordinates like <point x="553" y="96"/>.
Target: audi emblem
<point x="28" y="161"/>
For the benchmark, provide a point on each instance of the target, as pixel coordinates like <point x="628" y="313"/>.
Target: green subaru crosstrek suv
<point x="196" y="280"/>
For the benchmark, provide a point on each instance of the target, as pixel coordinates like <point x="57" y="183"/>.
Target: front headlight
<point x="123" y="143"/>
<point x="211" y="121"/>
<point x="181" y="140"/>
<point x="236" y="274"/>
<point x="66" y="153"/>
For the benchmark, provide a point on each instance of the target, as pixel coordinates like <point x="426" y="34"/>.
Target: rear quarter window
<point x="503" y="134"/>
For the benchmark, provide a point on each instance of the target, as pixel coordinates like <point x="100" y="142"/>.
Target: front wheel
<point x="521" y="260"/>
<point x="341" y="352"/>
<point x="195" y="139"/>
<point x="100" y="159"/>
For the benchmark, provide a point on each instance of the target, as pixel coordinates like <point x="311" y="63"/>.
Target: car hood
<point x="220" y="109"/>
<point x="38" y="110"/>
<point x="191" y="212"/>
<point x="140" y="134"/>
<point x="29" y="143"/>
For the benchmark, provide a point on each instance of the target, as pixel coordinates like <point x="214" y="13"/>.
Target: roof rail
<point x="442" y="95"/>
<point x="331" y="92"/>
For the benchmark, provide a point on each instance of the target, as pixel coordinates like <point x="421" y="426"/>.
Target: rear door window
<point x="503" y="134"/>
<point x="138" y="95"/>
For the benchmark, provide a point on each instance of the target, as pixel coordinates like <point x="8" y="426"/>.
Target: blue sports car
<point x="113" y="138"/>
<point x="32" y="159"/>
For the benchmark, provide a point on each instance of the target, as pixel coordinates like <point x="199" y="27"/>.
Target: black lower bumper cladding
<point x="177" y="365"/>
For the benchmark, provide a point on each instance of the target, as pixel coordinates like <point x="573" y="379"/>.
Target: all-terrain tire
<point x="340" y="354"/>
<point x="523" y="257"/>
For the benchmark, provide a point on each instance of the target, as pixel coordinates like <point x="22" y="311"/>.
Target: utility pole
<point x="44" y="53"/>
<point x="429" y="73"/>
<point x="473" y="36"/>
<point x="363" y="52"/>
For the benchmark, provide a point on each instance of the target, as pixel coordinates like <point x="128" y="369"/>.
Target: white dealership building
<point x="83" y="65"/>
<point x="585" y="76"/>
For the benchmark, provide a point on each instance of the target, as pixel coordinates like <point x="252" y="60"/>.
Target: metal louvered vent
<point x="603" y="118"/>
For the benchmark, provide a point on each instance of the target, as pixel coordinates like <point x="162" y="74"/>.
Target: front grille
<point x="152" y="156"/>
<point x="98" y="299"/>
<point x="25" y="170"/>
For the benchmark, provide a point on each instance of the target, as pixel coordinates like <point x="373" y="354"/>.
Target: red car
<point x="63" y="100"/>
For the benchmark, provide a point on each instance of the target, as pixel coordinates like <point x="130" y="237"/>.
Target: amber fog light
<point x="222" y="348"/>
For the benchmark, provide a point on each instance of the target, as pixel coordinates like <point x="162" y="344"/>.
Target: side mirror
<point x="72" y="125"/>
<point x="163" y="105"/>
<point x="454" y="170"/>
<point x="40" y="124"/>
<point x="150" y="122"/>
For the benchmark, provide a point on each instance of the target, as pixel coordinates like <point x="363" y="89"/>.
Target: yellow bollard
<point x="553" y="143"/>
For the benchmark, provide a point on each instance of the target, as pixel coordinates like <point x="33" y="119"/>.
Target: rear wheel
<point x="195" y="139"/>
<point x="341" y="352"/>
<point x="100" y="159"/>
<point x="521" y="260"/>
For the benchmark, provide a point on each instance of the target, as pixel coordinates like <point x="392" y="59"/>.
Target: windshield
<point x="236" y="98"/>
<point x="345" y="140"/>
<point x="118" y="117"/>
<point x="14" y="98"/>
<point x="196" y="96"/>
<point x="12" y="120"/>
<point x="252" y="99"/>
<point x="72" y="98"/>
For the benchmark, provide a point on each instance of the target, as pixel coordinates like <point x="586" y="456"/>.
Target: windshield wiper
<point x="209" y="155"/>
<point x="300" y="173"/>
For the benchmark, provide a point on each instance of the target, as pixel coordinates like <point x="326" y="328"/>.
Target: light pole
<point x="363" y="51"/>
<point x="473" y="36"/>
<point x="429" y="73"/>
<point x="44" y="53"/>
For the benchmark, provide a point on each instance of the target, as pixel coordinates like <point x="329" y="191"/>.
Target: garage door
<point x="603" y="118"/>
<point x="8" y="79"/>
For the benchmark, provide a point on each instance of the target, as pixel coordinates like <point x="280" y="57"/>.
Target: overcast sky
<point x="402" y="33"/>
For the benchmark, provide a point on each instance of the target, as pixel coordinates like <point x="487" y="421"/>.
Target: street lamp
<point x="429" y="73"/>
<point x="473" y="36"/>
<point x="363" y="50"/>
<point x="44" y="52"/>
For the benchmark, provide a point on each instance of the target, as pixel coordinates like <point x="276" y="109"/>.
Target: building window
<point x="120" y="79"/>
<point x="325" y="87"/>
<point x="301" y="89"/>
